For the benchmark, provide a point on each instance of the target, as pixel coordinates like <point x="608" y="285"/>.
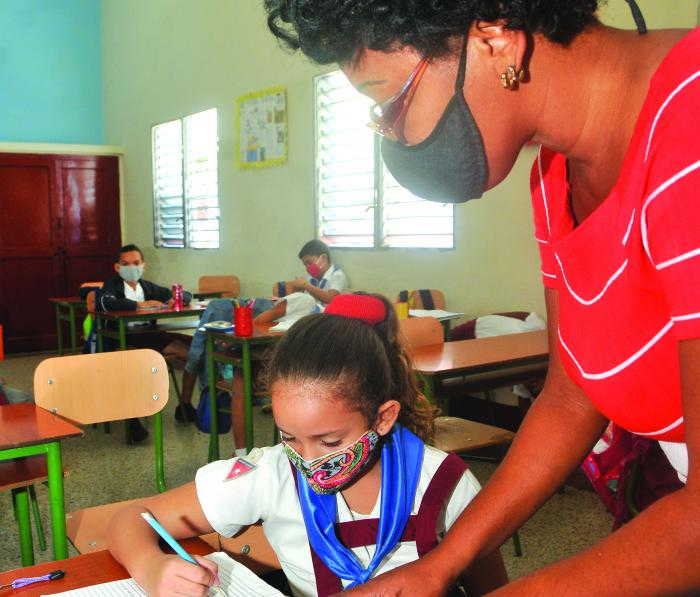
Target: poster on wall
<point x="261" y="128"/>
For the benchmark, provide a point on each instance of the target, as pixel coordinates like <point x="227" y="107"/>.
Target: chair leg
<point x="176" y="385"/>
<point x="20" y="498"/>
<point x="41" y="538"/>
<point x="517" y="545"/>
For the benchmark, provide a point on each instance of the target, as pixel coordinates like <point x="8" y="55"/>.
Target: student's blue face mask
<point x="131" y="273"/>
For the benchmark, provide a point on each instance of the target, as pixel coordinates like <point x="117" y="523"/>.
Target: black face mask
<point x="450" y="165"/>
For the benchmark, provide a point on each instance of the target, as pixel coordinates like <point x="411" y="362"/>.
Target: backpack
<point x="223" y="409"/>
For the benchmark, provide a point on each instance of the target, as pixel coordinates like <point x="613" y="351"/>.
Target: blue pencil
<point x="157" y="527"/>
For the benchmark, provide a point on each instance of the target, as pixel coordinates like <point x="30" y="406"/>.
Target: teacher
<point x="461" y="87"/>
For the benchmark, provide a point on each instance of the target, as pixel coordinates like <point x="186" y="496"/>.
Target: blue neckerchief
<point x="401" y="461"/>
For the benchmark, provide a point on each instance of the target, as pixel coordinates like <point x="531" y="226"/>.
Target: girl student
<point x="352" y="491"/>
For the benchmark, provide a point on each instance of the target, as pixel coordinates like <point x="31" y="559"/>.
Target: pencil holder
<point x="243" y="321"/>
<point x="401" y="310"/>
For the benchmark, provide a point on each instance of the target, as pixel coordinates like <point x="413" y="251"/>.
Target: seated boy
<point x="324" y="280"/>
<point x="128" y="291"/>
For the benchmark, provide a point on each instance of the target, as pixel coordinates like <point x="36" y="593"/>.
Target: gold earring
<point x="511" y="77"/>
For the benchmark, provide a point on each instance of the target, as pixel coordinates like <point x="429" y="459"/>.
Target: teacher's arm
<point x="559" y="430"/>
<point x="658" y="552"/>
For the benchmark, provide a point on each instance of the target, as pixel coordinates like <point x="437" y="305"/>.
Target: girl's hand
<point x="169" y="575"/>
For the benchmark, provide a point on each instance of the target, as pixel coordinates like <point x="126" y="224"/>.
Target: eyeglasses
<point x="385" y="116"/>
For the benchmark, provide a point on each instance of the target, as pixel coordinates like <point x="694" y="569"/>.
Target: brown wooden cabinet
<point x="59" y="226"/>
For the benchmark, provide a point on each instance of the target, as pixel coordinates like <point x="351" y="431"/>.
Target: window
<point x="359" y="203"/>
<point x="185" y="182"/>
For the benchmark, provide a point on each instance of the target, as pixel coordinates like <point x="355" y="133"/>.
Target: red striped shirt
<point x="628" y="278"/>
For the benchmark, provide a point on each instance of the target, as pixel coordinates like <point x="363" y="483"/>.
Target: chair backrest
<point x="251" y="548"/>
<point x="426" y="298"/>
<point x="420" y="331"/>
<point x="281" y="289"/>
<point x="108" y="386"/>
<point x="229" y="286"/>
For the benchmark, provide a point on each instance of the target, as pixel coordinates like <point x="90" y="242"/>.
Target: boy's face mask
<point x="131" y="273"/>
<point x="314" y="269"/>
<point x="336" y="470"/>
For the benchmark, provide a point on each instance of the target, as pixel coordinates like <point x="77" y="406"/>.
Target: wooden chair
<point x="19" y="476"/>
<point x="228" y="286"/>
<point x="426" y="298"/>
<point x="420" y="331"/>
<point x="108" y="386"/>
<point x="283" y="288"/>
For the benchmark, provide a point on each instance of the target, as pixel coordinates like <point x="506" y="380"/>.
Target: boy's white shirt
<point x="134" y="294"/>
<point x="335" y="280"/>
<point x="268" y="493"/>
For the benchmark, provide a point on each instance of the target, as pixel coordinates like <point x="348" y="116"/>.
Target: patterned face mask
<point x="333" y="472"/>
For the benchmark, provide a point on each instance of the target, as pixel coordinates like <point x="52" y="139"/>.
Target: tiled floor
<point x="103" y="469"/>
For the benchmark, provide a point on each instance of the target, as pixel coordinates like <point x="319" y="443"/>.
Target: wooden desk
<point x="27" y="430"/>
<point x="81" y="571"/>
<point x="484" y="362"/>
<point x="261" y="335"/>
<point x="67" y="309"/>
<point x="121" y="318"/>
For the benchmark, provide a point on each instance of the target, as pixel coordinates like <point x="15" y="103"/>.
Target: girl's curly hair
<point x="333" y="31"/>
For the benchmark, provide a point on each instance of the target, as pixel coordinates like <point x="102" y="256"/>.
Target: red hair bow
<point x="366" y="308"/>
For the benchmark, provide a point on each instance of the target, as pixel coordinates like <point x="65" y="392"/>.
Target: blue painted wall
<point x="51" y="71"/>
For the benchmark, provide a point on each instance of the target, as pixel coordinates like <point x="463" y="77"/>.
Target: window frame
<point x="185" y="216"/>
<point x="378" y="203"/>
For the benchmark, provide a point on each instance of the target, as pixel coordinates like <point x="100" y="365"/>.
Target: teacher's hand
<point x="409" y="580"/>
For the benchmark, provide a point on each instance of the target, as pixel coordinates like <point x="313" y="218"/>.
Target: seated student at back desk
<point x="324" y="280"/>
<point x="353" y="467"/>
<point x="128" y="291"/>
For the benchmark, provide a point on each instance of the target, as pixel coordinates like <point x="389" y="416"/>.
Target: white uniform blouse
<point x="268" y="493"/>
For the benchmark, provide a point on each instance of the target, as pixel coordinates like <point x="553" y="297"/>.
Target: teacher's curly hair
<point x="334" y="31"/>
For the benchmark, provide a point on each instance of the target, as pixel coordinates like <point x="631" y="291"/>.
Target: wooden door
<point x="30" y="260"/>
<point x="90" y="231"/>
<point x="59" y="226"/>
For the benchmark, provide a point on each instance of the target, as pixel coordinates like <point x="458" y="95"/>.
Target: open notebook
<point x="236" y="581"/>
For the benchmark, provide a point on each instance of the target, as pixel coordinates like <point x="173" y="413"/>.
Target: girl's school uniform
<point x="268" y="493"/>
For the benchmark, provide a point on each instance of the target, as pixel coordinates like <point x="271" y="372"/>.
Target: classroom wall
<point x="166" y="58"/>
<point x="51" y="71"/>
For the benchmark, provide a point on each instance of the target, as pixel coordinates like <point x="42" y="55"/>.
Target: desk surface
<point x="259" y="332"/>
<point x="27" y="425"/>
<point x="66" y="300"/>
<point x="471" y="354"/>
<point x="81" y="571"/>
<point x="154" y="313"/>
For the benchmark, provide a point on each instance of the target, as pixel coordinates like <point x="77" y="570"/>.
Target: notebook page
<point x="118" y="588"/>
<point x="437" y="313"/>
<point x="236" y="581"/>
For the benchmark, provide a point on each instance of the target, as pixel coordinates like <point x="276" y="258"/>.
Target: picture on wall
<point x="261" y="128"/>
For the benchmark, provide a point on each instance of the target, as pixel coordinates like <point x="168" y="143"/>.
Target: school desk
<point x="483" y="363"/>
<point x="207" y="294"/>
<point x="122" y="318"/>
<point x="67" y="309"/>
<point x="217" y="343"/>
<point x="81" y="571"/>
<point x="27" y="430"/>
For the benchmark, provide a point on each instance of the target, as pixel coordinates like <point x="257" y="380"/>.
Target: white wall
<point x="163" y="59"/>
